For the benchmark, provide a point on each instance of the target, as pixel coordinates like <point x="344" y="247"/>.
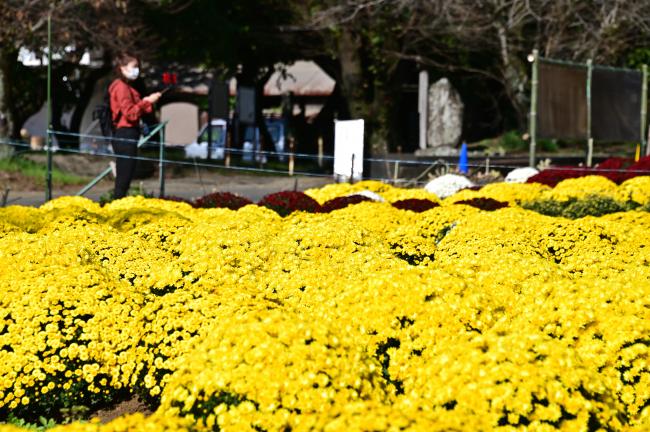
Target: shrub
<point x="512" y="140"/>
<point x="548" y="145"/>
<point x="222" y="200"/>
<point x="342" y="202"/>
<point x="575" y="208"/>
<point x="284" y="203"/>
<point x="415" y="205"/>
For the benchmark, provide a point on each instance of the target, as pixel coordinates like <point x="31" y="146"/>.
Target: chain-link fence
<point x="593" y="103"/>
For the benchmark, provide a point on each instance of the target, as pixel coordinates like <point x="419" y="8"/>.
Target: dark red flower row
<point x="287" y="202"/>
<point x="616" y="169"/>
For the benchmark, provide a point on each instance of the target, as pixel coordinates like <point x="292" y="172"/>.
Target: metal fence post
<point x="48" y="135"/>
<point x="644" y="110"/>
<point x="291" y="156"/>
<point x="229" y="132"/>
<point x="108" y="170"/>
<point x="590" y="140"/>
<point x="532" y="121"/>
<point x="161" y="166"/>
<point x="320" y="152"/>
<point x="256" y="147"/>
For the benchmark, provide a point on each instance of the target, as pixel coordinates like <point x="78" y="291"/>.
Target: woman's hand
<point x="153" y="97"/>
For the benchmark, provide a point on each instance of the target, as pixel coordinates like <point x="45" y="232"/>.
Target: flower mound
<point x="415" y="205"/>
<point x="342" y="202"/>
<point x="287" y="202"/>
<point x="222" y="200"/>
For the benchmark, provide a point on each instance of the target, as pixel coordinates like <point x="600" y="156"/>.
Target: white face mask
<point x="131" y="73"/>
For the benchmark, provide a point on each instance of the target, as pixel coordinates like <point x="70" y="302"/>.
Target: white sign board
<point x="348" y="149"/>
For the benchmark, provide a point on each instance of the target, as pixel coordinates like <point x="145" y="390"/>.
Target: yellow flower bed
<point x="581" y="187"/>
<point x="386" y="191"/>
<point x="513" y="193"/>
<point x="636" y="189"/>
<point x="367" y="318"/>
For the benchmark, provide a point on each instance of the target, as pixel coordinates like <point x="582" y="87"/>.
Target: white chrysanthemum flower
<point x="520" y="175"/>
<point x="369" y="194"/>
<point x="447" y="185"/>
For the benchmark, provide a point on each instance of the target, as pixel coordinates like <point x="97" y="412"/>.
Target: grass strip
<point x="38" y="171"/>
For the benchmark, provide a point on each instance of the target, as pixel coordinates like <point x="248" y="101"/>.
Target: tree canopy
<point x="373" y="48"/>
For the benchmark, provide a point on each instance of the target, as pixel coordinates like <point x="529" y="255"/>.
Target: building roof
<point x="302" y="78"/>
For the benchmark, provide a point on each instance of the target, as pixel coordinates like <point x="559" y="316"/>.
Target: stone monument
<point x="445" y="120"/>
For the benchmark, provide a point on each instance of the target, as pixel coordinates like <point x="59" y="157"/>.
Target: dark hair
<point x="121" y="60"/>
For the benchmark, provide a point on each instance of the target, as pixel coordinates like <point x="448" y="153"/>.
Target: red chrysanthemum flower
<point x="342" y="202"/>
<point x="415" y="204"/>
<point x="487" y="204"/>
<point x="222" y="200"/>
<point x="287" y="202"/>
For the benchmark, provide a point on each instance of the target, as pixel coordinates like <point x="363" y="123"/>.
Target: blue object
<point x="462" y="162"/>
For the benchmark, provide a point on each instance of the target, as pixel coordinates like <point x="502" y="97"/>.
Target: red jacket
<point x="126" y="105"/>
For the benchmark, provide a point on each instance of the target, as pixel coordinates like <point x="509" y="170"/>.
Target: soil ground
<point x="131" y="406"/>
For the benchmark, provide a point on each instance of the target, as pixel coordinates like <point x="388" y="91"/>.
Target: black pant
<point x="125" y="143"/>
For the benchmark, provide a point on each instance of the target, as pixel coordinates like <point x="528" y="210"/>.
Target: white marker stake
<point x="348" y="141"/>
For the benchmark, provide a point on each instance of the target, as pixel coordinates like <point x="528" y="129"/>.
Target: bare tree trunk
<point x="5" y="94"/>
<point x="267" y="143"/>
<point x="364" y="99"/>
<point x="515" y="78"/>
<point x="349" y="47"/>
<point x="8" y="59"/>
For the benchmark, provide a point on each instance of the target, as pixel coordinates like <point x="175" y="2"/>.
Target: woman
<point x="127" y="107"/>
